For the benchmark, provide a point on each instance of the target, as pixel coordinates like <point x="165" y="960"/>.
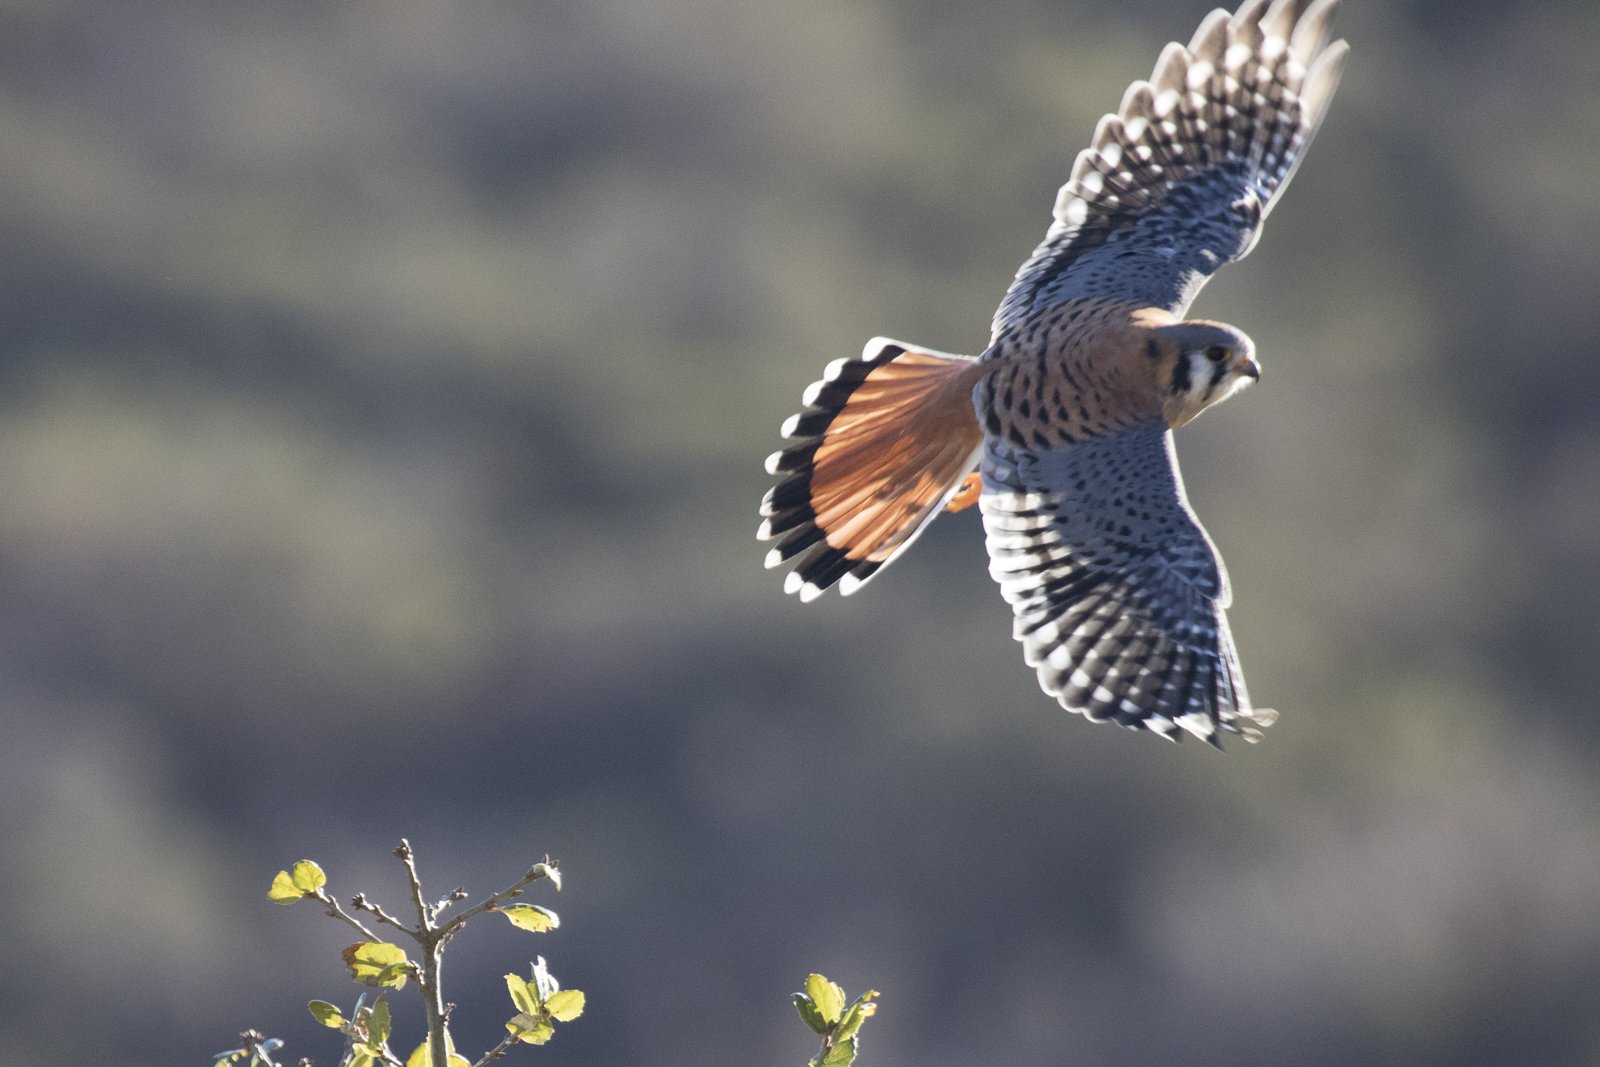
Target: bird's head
<point x="1199" y="364"/>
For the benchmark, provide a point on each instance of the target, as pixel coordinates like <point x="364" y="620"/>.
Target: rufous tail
<point x="883" y="444"/>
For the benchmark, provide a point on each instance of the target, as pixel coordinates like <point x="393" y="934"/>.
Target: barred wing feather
<point x="1118" y="593"/>
<point x="1177" y="182"/>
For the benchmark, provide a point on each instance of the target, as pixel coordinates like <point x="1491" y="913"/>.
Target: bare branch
<point x="431" y="939"/>
<point x="424" y="918"/>
<point x="456" y="896"/>
<point x="546" y="869"/>
<point x="361" y="903"/>
<point x="336" y="912"/>
<point x="498" y="1051"/>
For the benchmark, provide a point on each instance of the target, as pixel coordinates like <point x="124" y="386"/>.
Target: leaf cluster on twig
<point x="540" y="1001"/>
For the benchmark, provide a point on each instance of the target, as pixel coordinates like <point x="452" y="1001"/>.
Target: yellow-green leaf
<point x="842" y="1054"/>
<point x="308" y="877"/>
<point x="422" y="1057"/>
<point x="531" y="917"/>
<point x="523" y="995"/>
<point x="565" y="1005"/>
<point x="808" y="1013"/>
<point x="530" y="1029"/>
<point x="827" y="996"/>
<point x="326" y="1014"/>
<point x="378" y="963"/>
<point x="858" y="1013"/>
<point x="283" y="890"/>
<point x="360" y="1057"/>
<point x="378" y="1023"/>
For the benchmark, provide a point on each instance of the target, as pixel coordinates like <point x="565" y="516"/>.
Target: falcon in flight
<point x="1066" y="417"/>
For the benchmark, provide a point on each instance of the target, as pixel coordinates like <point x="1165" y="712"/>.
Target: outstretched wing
<point x="1178" y="181"/>
<point x="1118" y="592"/>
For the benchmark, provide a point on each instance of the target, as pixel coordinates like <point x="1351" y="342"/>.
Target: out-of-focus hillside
<point x="383" y="395"/>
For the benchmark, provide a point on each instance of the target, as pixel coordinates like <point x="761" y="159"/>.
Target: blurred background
<point x="384" y="388"/>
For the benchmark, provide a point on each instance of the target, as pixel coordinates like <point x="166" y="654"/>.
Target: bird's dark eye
<point x="1217" y="353"/>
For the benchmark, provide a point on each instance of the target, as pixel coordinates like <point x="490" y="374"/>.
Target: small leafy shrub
<point x="381" y="965"/>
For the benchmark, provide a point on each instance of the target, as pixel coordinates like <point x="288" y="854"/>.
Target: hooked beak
<point x="1251" y="369"/>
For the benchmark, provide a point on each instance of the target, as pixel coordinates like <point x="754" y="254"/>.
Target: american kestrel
<point x="1118" y="593"/>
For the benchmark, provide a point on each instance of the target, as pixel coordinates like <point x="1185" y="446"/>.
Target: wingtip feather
<point x="1210" y="39"/>
<point x="1313" y="29"/>
<point x="1138" y="102"/>
<point x="1171" y="69"/>
<point x="1279" y="19"/>
<point x="1322" y="79"/>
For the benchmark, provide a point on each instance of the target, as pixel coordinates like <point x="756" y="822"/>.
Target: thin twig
<point x="361" y="903"/>
<point x="336" y="912"/>
<point x="497" y="1052"/>
<point x="430" y="939"/>
<point x="424" y="920"/>
<point x="456" y="896"/>
<point x="535" y="873"/>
